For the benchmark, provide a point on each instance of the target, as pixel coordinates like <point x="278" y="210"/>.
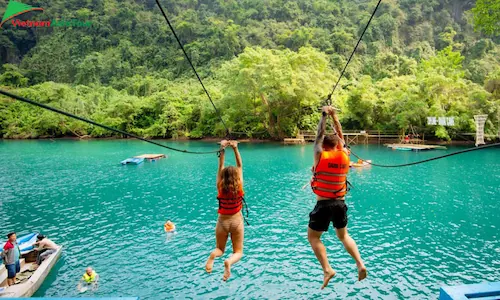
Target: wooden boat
<point x="133" y="161"/>
<point x="30" y="280"/>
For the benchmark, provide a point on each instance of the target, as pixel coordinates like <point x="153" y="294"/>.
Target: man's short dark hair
<point x="10" y="234"/>
<point x="330" y="141"/>
<point x="40" y="237"/>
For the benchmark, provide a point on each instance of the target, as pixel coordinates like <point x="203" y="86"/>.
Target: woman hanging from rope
<point x="230" y="222"/>
<point x="329" y="183"/>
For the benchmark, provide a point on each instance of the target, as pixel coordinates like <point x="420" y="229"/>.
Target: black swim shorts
<point x="327" y="211"/>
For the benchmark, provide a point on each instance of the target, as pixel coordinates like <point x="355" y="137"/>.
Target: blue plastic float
<point x="132" y="161"/>
<point x="482" y="291"/>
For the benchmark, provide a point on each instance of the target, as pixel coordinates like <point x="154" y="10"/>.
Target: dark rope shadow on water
<point x="56" y="110"/>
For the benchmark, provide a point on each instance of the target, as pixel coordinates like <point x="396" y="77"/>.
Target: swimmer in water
<point x="230" y="221"/>
<point x="89" y="279"/>
<point x="169" y="226"/>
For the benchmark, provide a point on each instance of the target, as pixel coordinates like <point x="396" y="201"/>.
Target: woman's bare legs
<point x="237" y="236"/>
<point x="220" y="246"/>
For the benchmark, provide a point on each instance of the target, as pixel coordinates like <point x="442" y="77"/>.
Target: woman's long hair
<point x="230" y="182"/>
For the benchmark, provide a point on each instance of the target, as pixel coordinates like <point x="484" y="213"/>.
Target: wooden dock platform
<point x="414" y="147"/>
<point x="294" y="141"/>
<point x="355" y="137"/>
<point x="151" y="156"/>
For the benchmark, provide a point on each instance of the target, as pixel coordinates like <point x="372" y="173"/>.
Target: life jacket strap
<point x="230" y="203"/>
<point x="349" y="185"/>
<point x="330" y="174"/>
<point x="246" y="210"/>
<point x="227" y="199"/>
<point x="343" y="189"/>
<point x="330" y="182"/>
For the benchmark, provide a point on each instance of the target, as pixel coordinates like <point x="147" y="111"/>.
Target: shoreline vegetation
<point x="267" y="65"/>
<point x="245" y="140"/>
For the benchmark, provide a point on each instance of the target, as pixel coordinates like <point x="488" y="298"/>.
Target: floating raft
<point x="151" y="156"/>
<point x="482" y="291"/>
<point x="132" y="161"/>
<point x="414" y="147"/>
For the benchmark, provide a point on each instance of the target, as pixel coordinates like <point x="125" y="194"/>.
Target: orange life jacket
<point x="330" y="175"/>
<point x="230" y="204"/>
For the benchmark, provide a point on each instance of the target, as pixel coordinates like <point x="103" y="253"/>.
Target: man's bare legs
<point x="237" y="240"/>
<point x="352" y="248"/>
<point x="319" y="249"/>
<point x="220" y="245"/>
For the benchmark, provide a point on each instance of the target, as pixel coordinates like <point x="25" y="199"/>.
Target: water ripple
<point x="417" y="228"/>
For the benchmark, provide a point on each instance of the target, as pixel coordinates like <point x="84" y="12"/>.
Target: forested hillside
<point x="268" y="64"/>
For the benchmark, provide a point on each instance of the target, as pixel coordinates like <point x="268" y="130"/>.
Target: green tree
<point x="487" y="16"/>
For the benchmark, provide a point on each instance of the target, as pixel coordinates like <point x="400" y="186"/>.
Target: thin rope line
<point x="329" y="98"/>
<point x="192" y="66"/>
<point x="416" y="162"/>
<point x="56" y="110"/>
<point x="429" y="159"/>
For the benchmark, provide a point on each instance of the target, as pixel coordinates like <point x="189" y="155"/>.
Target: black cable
<point x="429" y="159"/>
<point x="412" y="163"/>
<point x="56" y="110"/>
<point x="329" y="98"/>
<point x="192" y="66"/>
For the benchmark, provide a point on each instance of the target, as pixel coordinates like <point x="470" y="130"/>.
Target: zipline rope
<point x="429" y="159"/>
<point x="415" y="162"/>
<point x="329" y="98"/>
<point x="329" y="102"/>
<point x="192" y="66"/>
<point x="56" y="110"/>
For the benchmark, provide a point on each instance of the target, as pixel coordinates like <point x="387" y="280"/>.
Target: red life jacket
<point x="330" y="175"/>
<point x="230" y="204"/>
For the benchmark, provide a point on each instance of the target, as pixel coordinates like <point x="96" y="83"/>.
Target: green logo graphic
<point x="15" y="9"/>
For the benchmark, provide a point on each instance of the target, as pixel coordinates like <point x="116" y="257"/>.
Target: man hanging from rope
<point x="329" y="183"/>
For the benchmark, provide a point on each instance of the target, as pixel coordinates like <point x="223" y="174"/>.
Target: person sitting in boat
<point x="45" y="248"/>
<point x="10" y="256"/>
<point x="169" y="226"/>
<point x="89" y="278"/>
<point x="230" y="221"/>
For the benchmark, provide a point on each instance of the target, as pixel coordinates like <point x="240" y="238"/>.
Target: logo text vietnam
<point x="53" y="23"/>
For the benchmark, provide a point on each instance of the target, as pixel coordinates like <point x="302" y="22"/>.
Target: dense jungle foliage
<point x="268" y="65"/>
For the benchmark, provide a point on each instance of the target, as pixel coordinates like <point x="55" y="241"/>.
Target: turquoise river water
<point x="417" y="228"/>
